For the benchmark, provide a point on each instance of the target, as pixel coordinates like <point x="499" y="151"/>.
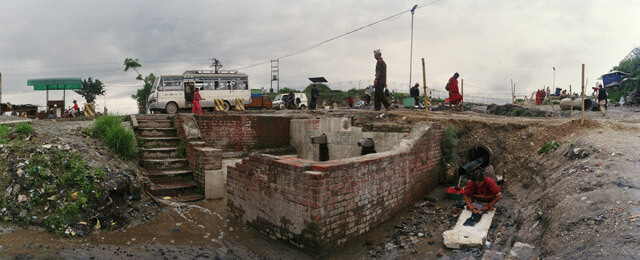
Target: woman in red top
<point x="482" y="189"/>
<point x="196" y="102"/>
<point x="454" y="94"/>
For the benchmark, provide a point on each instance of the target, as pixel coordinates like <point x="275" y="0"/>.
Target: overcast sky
<point x="488" y="42"/>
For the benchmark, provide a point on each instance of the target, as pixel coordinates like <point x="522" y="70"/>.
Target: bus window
<point x="242" y="85"/>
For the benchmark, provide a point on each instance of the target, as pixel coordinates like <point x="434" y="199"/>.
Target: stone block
<point x="494" y="255"/>
<point x="523" y="251"/>
<point x="214" y="184"/>
<point x="466" y="236"/>
<point x="190" y="127"/>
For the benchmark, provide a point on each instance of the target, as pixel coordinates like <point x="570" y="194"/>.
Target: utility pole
<point x="275" y="75"/>
<point x="411" y="51"/>
<point x="216" y="65"/>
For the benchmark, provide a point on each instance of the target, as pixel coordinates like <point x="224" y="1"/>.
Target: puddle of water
<point x="202" y="226"/>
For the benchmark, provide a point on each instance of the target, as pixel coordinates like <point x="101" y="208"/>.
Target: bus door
<point x="189" y="89"/>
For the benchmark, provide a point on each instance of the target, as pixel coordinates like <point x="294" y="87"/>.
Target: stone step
<point x="159" y="152"/>
<point x="162" y="164"/>
<point x="157" y="132"/>
<point x="160" y="123"/>
<point x="186" y="197"/>
<point x="168" y="173"/>
<point x="153" y="142"/>
<point x="171" y="186"/>
<point x="153" y="117"/>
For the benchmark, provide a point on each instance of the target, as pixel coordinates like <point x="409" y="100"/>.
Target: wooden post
<point x="571" y="98"/>
<point x="427" y="100"/>
<point x="582" y="121"/>
<point x="462" y="94"/>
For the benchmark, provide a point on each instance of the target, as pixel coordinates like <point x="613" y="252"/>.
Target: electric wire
<point x="304" y="50"/>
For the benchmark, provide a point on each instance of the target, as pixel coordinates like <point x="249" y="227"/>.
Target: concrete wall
<point x="232" y="132"/>
<point x="342" y="138"/>
<point x="320" y="205"/>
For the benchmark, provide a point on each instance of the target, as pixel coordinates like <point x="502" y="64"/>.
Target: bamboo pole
<point x="571" y="97"/>
<point x="582" y="121"/>
<point x="427" y="100"/>
<point x="462" y="93"/>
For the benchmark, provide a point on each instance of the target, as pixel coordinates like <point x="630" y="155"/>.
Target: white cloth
<point x="368" y="90"/>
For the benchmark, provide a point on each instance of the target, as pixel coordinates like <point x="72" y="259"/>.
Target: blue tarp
<point x="612" y="78"/>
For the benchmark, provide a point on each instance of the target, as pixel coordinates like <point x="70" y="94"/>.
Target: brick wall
<point x="320" y="205"/>
<point x="202" y="159"/>
<point x="240" y="133"/>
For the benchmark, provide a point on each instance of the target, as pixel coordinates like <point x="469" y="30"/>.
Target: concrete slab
<point x="214" y="184"/>
<point x="13" y="120"/>
<point x="465" y="236"/>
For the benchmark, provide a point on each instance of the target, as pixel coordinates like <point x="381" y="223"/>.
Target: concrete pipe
<point x="479" y="156"/>
<point x="565" y="104"/>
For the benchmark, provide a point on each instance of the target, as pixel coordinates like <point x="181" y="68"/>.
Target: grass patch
<point x="4" y="132"/>
<point x="549" y="147"/>
<point x="24" y="128"/>
<point x="101" y="124"/>
<point x="122" y="141"/>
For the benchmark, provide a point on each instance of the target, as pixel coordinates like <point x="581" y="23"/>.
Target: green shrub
<point x="101" y="124"/>
<point x="24" y="128"/>
<point x="549" y="147"/>
<point x="4" y="132"/>
<point x="182" y="148"/>
<point x="122" y="141"/>
<point x="517" y="112"/>
<point x="450" y="141"/>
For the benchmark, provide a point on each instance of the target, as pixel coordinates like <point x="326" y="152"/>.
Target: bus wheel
<point x="302" y="107"/>
<point x="172" y="108"/>
<point x="226" y="106"/>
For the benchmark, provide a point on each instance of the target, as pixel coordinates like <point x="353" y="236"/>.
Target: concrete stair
<point x="166" y="175"/>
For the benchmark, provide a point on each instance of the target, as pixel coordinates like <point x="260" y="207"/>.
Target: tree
<point x="90" y="89"/>
<point x="142" y="94"/>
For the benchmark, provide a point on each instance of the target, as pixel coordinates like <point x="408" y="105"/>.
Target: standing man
<point x="315" y="93"/>
<point x="415" y="93"/>
<point x="367" y="95"/>
<point x="380" y="82"/>
<point x="454" y="94"/>
<point x="196" y="102"/>
<point x="602" y="99"/>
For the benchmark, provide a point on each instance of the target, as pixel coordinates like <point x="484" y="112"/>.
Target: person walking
<point x="350" y="101"/>
<point x="415" y="93"/>
<point x="367" y="96"/>
<point x="602" y="99"/>
<point x="454" y="94"/>
<point x="196" y="102"/>
<point x="315" y="93"/>
<point x="380" y="82"/>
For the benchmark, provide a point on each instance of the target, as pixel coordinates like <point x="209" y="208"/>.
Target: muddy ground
<point x="580" y="201"/>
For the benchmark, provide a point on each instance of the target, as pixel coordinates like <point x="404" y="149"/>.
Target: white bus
<point x="170" y="93"/>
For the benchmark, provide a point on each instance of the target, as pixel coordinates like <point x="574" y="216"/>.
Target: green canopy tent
<point x="55" y="84"/>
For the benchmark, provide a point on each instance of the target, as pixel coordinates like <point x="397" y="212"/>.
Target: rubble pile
<point x="48" y="182"/>
<point x="516" y="111"/>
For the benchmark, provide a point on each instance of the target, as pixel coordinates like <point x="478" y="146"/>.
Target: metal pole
<point x="582" y="121"/>
<point x="411" y="51"/>
<point x="424" y="87"/>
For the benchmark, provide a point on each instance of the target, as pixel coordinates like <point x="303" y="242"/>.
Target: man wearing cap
<point x="381" y="82"/>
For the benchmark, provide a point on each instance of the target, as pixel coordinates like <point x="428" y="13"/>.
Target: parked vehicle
<point x="282" y="101"/>
<point x="170" y="93"/>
